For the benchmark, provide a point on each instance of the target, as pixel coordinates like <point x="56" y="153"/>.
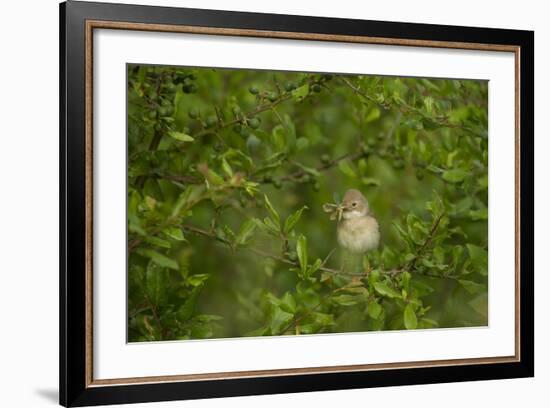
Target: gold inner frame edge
<point x="98" y="24"/>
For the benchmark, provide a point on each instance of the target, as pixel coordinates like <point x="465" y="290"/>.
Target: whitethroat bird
<point x="357" y="229"/>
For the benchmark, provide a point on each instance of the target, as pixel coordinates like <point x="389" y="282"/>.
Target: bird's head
<point x="354" y="204"/>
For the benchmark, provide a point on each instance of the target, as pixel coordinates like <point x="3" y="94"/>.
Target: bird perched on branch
<point x="357" y="229"/>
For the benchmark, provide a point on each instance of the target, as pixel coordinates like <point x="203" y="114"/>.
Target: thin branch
<point x="157" y="134"/>
<point x="427" y="242"/>
<point x="153" y="308"/>
<point x="140" y="308"/>
<point x="295" y="322"/>
<point x="180" y="178"/>
<point x="411" y="265"/>
<point x="289" y="177"/>
<point x="359" y="92"/>
<point x="405" y="108"/>
<point x="259" y="109"/>
<point x="262" y="252"/>
<point x="392" y="273"/>
<point x="326" y="166"/>
<point x="252" y="113"/>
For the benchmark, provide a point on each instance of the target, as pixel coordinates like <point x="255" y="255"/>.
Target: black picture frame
<point x="75" y="389"/>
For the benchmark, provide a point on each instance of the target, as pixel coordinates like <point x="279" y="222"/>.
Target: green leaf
<point x="462" y="205"/>
<point x="270" y="226"/>
<point x="158" y="258"/>
<point x="210" y="175"/>
<point x="478" y="215"/>
<point x="293" y="219"/>
<point x="262" y="331"/>
<point x="251" y="187"/>
<point x="300" y="93"/>
<point x="455" y="175"/>
<point x="456" y="255"/>
<point x="385" y="290"/>
<point x="288" y="304"/>
<point x="159" y="242"/>
<point x="174" y="233"/>
<point x="409" y="257"/>
<point x="426" y="323"/>
<point x="373" y="114"/>
<point x="434" y="169"/>
<point x="272" y="212"/>
<point x="135" y="227"/>
<point x="279" y="320"/>
<point x="278" y="134"/>
<point x="227" y="168"/>
<point x="401" y="232"/>
<point x="266" y="225"/>
<point x="239" y="156"/>
<point x="201" y="331"/>
<point x="374" y="276"/>
<point x="323" y="319"/>
<point x="429" y="264"/>
<point x="207" y="318"/>
<point x="197" y="279"/>
<point x="308" y="170"/>
<point x="450" y="157"/>
<point x="155" y="278"/>
<point x="430" y="85"/>
<point x="283" y="137"/>
<point x="314" y="267"/>
<point x="301" y="250"/>
<point x="483" y="181"/>
<point x="435" y="207"/>
<point x="227" y="233"/>
<point x="478" y="256"/>
<point x="389" y="257"/>
<point x="374" y="309"/>
<point x="472" y="287"/>
<point x="369" y="181"/>
<point x="346" y="168"/>
<point x="190" y="194"/>
<point x="185" y="312"/>
<point x="182" y="137"/>
<point x="409" y="317"/>
<point x="406" y="280"/>
<point x="346" y="300"/>
<point x="245" y="232"/>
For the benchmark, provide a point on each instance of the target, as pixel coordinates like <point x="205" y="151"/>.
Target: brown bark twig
<point x="407" y="108"/>
<point x="153" y="308"/>
<point x="427" y="242"/>
<point x="412" y="263"/>
<point x="262" y="252"/>
<point x="326" y="166"/>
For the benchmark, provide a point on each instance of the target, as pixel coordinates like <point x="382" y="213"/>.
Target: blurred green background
<point x="218" y="159"/>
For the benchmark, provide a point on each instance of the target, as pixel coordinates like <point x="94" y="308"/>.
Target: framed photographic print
<point x="255" y="203"/>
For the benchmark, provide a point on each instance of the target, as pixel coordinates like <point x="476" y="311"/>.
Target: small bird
<point x="357" y="229"/>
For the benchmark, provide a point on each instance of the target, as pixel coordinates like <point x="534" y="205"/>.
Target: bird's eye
<point x="354" y="204"/>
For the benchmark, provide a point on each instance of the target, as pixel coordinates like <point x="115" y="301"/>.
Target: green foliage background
<point x="228" y="171"/>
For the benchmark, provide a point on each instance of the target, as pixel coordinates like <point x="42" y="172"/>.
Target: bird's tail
<point x="352" y="262"/>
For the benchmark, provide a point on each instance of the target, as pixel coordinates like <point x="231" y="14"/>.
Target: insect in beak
<point x="336" y="210"/>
